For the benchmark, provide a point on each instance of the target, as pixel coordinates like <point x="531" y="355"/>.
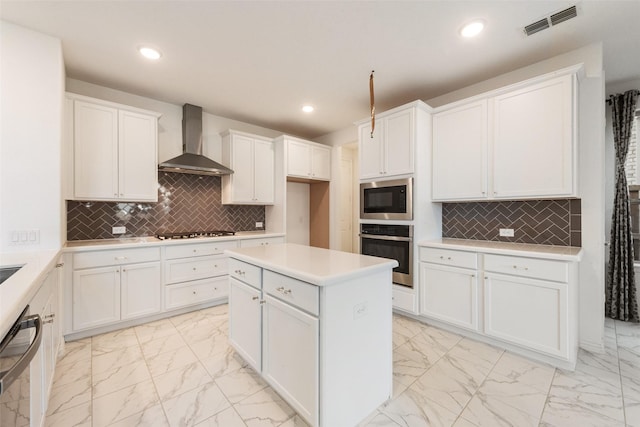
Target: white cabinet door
<point x="449" y="294"/>
<point x="399" y="134"/>
<point x="533" y="141"/>
<point x="525" y="311"/>
<point x="264" y="182"/>
<point x="291" y="356"/>
<point x="95" y="151"/>
<point x="459" y="163"/>
<point x="96" y="297"/>
<point x="245" y="320"/>
<point x="371" y="151"/>
<point x="321" y="163"/>
<point x="243" y="169"/>
<point x="298" y="159"/>
<point x="140" y="289"/>
<point x="137" y="160"/>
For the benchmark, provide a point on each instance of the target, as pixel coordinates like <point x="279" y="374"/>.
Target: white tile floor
<point x="182" y="372"/>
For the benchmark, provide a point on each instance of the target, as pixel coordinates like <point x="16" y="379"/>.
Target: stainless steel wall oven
<point x="390" y="241"/>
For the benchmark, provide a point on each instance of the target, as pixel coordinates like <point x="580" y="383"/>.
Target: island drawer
<point x="245" y="272"/>
<point x="196" y="292"/>
<point x="266" y="241"/>
<point x="198" y="249"/>
<point x="295" y="292"/>
<point x="450" y="257"/>
<point x="183" y="269"/>
<point x="115" y="257"/>
<point x="557" y="271"/>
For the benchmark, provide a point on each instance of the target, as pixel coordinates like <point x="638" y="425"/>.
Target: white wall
<point x="31" y="98"/>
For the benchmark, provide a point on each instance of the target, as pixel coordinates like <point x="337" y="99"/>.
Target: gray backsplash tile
<point x="185" y="203"/>
<point x="545" y="222"/>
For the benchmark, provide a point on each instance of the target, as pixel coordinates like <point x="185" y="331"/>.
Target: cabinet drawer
<point x="199" y="249"/>
<point x="261" y="242"/>
<point x="115" y="257"/>
<point x="183" y="269"/>
<point x="248" y="273"/>
<point x="449" y="257"/>
<point x="295" y="292"/>
<point x="196" y="292"/>
<point x="404" y="300"/>
<point x="557" y="271"/>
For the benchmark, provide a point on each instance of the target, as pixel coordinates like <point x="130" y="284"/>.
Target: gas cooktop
<point x="194" y="234"/>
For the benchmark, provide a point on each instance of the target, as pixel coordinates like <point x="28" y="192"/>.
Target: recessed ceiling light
<point x="149" y="52"/>
<point x="308" y="109"/>
<point x="472" y="29"/>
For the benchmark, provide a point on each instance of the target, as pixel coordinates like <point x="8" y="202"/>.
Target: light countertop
<point x="321" y="267"/>
<point x="133" y="242"/>
<point x="20" y="288"/>
<point x="563" y="253"/>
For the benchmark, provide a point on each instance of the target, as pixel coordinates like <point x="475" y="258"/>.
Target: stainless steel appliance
<point x="194" y="234"/>
<point x="390" y="241"/>
<point x="17" y="350"/>
<point x="387" y="199"/>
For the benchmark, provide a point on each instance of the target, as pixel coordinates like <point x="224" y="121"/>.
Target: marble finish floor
<point x="182" y="372"/>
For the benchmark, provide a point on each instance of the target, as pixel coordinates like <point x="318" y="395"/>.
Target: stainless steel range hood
<point x="192" y="161"/>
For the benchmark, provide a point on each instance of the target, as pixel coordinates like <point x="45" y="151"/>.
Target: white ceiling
<point x="260" y="61"/>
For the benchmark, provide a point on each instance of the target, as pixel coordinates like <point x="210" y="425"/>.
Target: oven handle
<point x="377" y="237"/>
<point x="8" y="377"/>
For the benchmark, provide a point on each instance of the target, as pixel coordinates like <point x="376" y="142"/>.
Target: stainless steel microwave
<point x="387" y="199"/>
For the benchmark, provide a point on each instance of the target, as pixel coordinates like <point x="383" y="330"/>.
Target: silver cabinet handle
<point x="255" y="298"/>
<point x="120" y="258"/>
<point x="60" y="265"/>
<point x="280" y="289"/>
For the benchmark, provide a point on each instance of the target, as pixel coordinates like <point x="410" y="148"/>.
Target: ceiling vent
<point x="553" y="19"/>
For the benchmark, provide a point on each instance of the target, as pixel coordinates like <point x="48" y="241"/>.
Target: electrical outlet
<point x="506" y="232"/>
<point x="119" y="230"/>
<point x="259" y="224"/>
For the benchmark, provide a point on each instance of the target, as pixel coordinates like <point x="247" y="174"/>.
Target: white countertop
<point x="19" y="289"/>
<point x="321" y="267"/>
<point x="131" y="242"/>
<point x="563" y="253"/>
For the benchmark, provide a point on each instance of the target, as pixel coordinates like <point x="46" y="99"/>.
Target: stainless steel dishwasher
<point x="17" y="349"/>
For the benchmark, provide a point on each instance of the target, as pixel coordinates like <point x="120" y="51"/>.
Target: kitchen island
<point x="317" y="325"/>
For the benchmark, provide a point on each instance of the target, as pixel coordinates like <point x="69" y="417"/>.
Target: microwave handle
<point x="9" y="376"/>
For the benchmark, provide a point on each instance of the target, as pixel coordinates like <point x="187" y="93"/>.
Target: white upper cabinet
<point x="252" y="159"/>
<point x="517" y="144"/>
<point x="309" y="160"/>
<point x="114" y="151"/>
<point x="460" y="152"/>
<point x="533" y="141"/>
<point x="391" y="150"/>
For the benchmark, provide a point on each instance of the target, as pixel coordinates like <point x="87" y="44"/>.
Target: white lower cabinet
<point x="530" y="312"/>
<point x="261" y="242"/>
<point x="245" y="319"/>
<point x="531" y="303"/>
<point x="290" y="354"/>
<point x="450" y="294"/>
<point x="276" y="335"/>
<point x="112" y="286"/>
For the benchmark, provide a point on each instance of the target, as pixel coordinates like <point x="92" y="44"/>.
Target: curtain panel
<point x="621" y="300"/>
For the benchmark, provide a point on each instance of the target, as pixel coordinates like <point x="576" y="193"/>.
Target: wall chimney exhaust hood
<point x="192" y="161"/>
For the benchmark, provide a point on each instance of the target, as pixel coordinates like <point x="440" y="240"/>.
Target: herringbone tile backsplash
<point x="543" y="222"/>
<point x="185" y="203"/>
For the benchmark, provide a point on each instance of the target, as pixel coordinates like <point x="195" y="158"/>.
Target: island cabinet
<point x="114" y="151"/>
<point x="519" y="142"/>
<point x="252" y="159"/>
<point x="321" y="339"/>
<point x="528" y="301"/>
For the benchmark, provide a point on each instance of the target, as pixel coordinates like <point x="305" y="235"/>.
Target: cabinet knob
<point x="194" y="292"/>
<point x="195" y="250"/>
<point x="473" y="275"/>
<point x="121" y="194"/>
<point x="255" y="298"/>
<point x="215" y="266"/>
<point x="60" y="265"/>
<point x="287" y="291"/>
<point x="280" y="289"/>
<point x="194" y="269"/>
